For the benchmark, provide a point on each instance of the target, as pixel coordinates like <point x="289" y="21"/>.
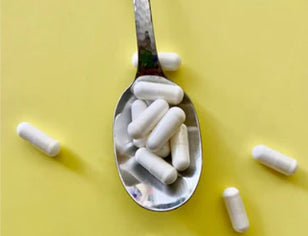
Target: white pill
<point x="140" y="142"/>
<point x="164" y="151"/>
<point x="39" y="139"/>
<point x="180" y="149"/>
<point x="236" y="209"/>
<point x="157" y="166"/>
<point x="168" y="60"/>
<point x="137" y="108"/>
<point x="275" y="160"/>
<point x="147" y="120"/>
<point x="172" y="93"/>
<point x="165" y="128"/>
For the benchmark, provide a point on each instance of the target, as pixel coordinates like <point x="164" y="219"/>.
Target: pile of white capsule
<point x="158" y="129"/>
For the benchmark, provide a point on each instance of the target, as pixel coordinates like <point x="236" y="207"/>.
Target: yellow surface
<point x="66" y="63"/>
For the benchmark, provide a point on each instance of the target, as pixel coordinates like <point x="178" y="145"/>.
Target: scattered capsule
<point x="172" y="93"/>
<point x="157" y="166"/>
<point x="180" y="149"/>
<point x="147" y="120"/>
<point x="168" y="60"/>
<point x="38" y="139"/>
<point x="275" y="160"/>
<point x="236" y="209"/>
<point x="165" y="128"/>
<point x="137" y="108"/>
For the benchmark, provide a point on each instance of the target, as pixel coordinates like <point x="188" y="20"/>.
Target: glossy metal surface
<point x="145" y="189"/>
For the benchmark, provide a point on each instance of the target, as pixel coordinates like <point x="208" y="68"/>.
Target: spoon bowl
<point x="143" y="188"/>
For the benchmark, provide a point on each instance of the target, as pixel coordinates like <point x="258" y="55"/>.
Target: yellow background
<point x="65" y="63"/>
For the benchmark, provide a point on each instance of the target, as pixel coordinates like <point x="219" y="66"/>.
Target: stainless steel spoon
<point x="147" y="191"/>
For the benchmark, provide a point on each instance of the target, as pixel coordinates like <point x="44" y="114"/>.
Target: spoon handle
<point x="148" y="63"/>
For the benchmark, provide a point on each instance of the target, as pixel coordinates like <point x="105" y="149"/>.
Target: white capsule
<point x="39" y="139"/>
<point x="137" y="108"/>
<point x="168" y="60"/>
<point x="127" y="169"/>
<point x="140" y="142"/>
<point x="236" y="209"/>
<point x="164" y="151"/>
<point x="123" y="142"/>
<point x="157" y="166"/>
<point x="275" y="160"/>
<point x="172" y="93"/>
<point x="147" y="120"/>
<point x="165" y="128"/>
<point x="180" y="149"/>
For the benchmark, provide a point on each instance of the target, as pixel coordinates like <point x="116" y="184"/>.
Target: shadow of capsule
<point x="299" y="178"/>
<point x="73" y="162"/>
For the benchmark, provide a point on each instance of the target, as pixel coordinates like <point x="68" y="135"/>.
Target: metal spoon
<point x="147" y="191"/>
